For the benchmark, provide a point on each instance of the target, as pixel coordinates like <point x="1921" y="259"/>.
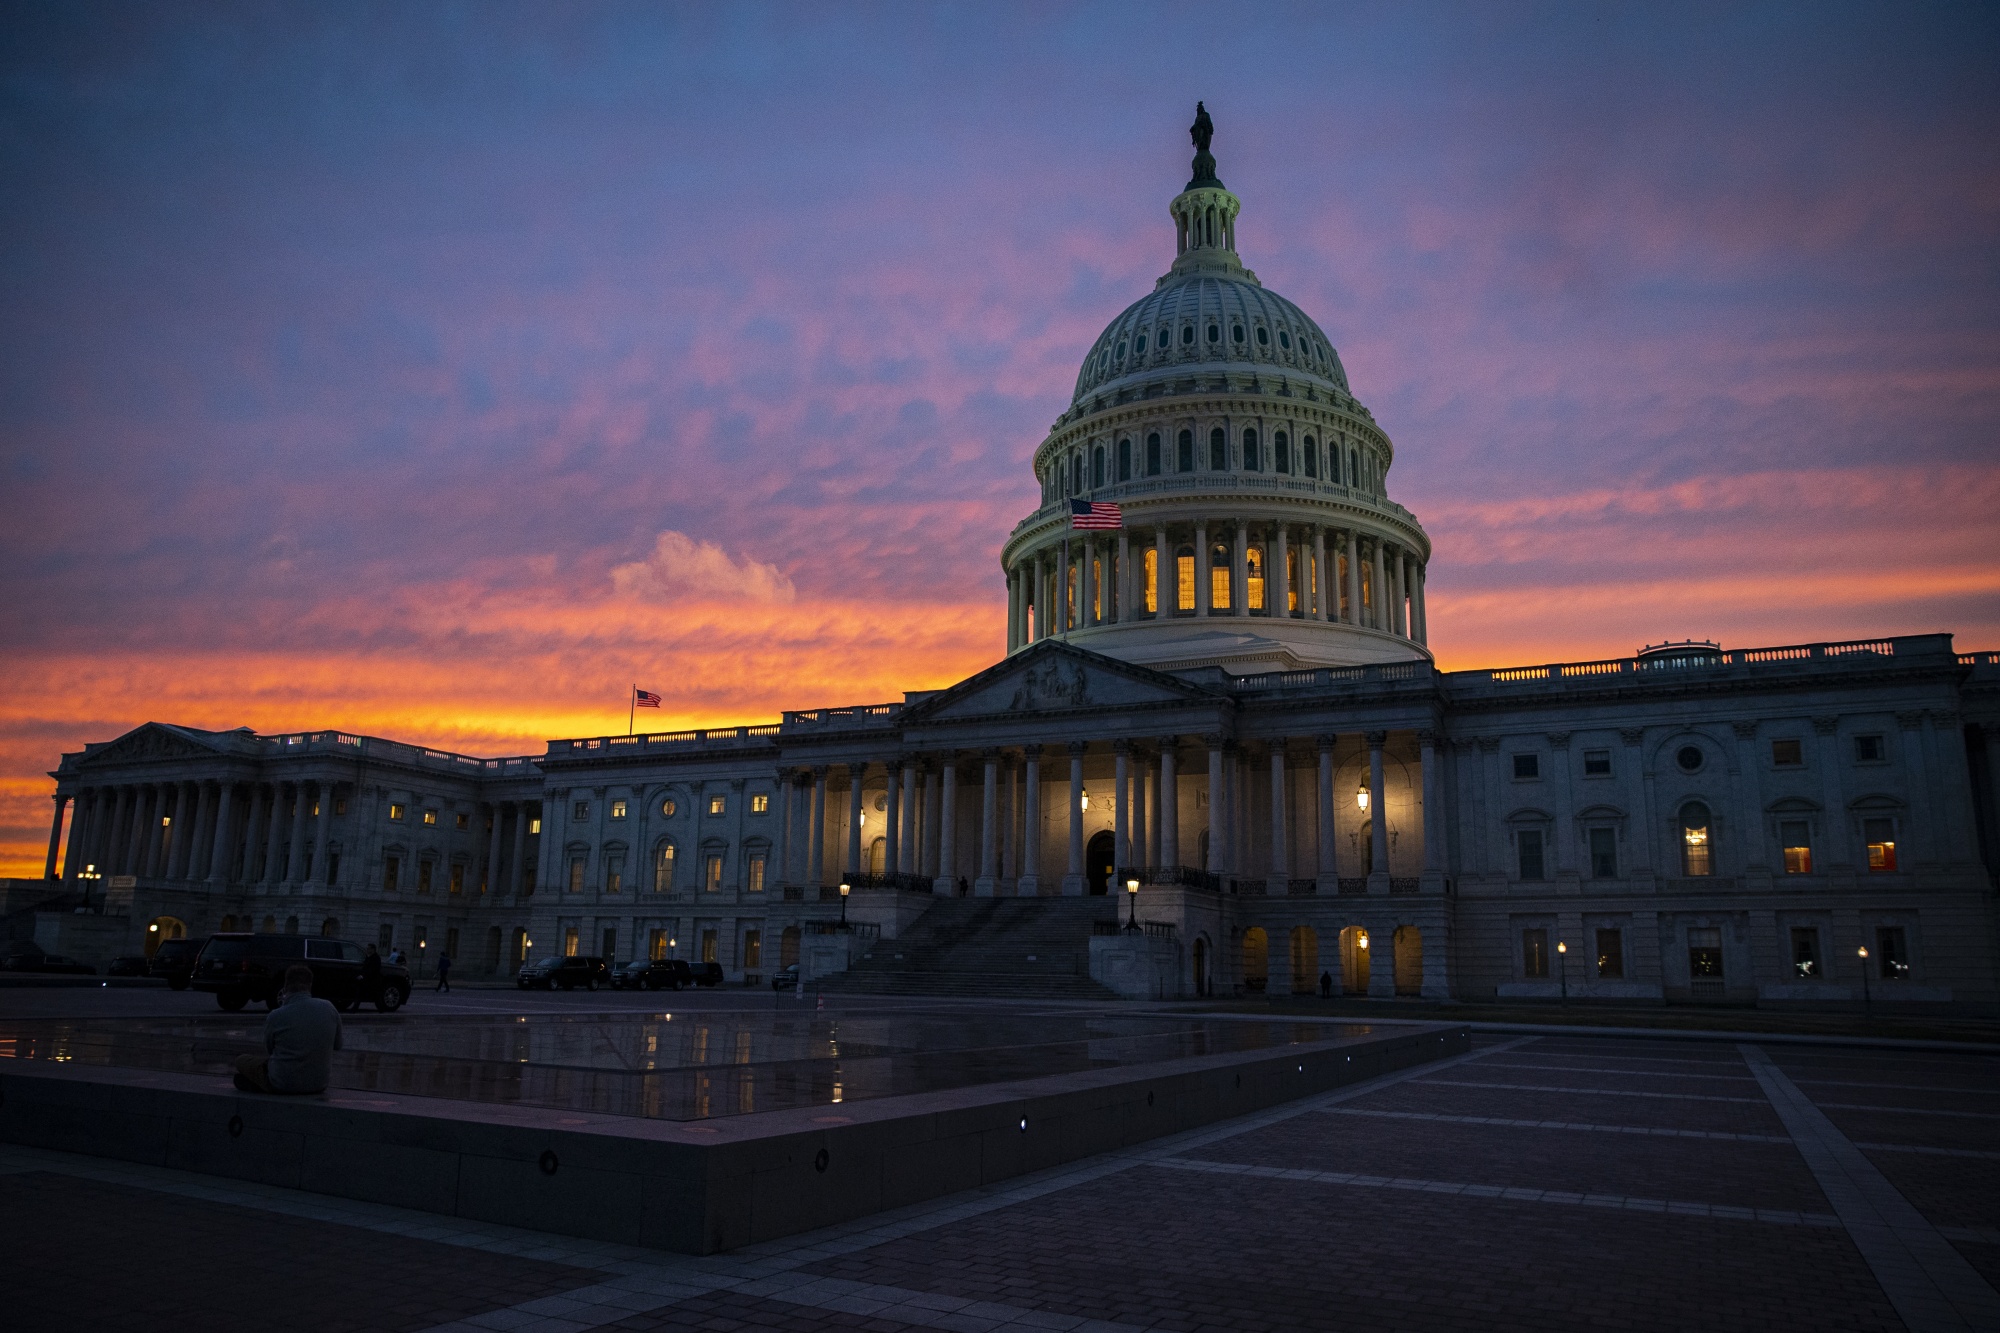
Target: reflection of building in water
<point x="1225" y="692"/>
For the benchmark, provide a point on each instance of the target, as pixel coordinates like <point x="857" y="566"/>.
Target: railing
<point x="1696" y="662"/>
<point x="347" y="745"/>
<point x="1404" y="884"/>
<point x="860" y="715"/>
<point x="1324" y="677"/>
<point x="892" y="880"/>
<point x="1152" y="930"/>
<point x="1187" y="877"/>
<point x="1351" y="884"/>
<point x="669" y="740"/>
<point x="1301" y="888"/>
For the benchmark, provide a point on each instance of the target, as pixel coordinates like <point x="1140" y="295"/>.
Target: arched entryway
<point x="1201" y="965"/>
<point x="878" y="855"/>
<point x="1097" y="861"/>
<point x="1256" y="959"/>
<point x="163" y="928"/>
<point x="1354" y="960"/>
<point x="1409" y="960"/>
<point x="1305" y="960"/>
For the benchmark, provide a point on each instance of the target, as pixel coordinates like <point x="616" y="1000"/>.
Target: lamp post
<point x="843" y="905"/>
<point x="1132" y="897"/>
<point x="1867" y="999"/>
<point x="89" y="877"/>
<point x="1562" y="967"/>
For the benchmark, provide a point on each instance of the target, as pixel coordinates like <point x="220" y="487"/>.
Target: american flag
<point x="1090" y="514"/>
<point x="645" y="698"/>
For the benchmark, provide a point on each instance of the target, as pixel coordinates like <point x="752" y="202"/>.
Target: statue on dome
<point x="1201" y="132"/>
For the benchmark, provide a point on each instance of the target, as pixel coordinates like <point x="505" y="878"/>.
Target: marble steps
<point x="986" y="946"/>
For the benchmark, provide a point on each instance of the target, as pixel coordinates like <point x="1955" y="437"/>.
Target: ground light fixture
<point x="844" y="891"/>
<point x="1132" y="897"/>
<point x="1867" y="999"/>
<point x="1562" y="965"/>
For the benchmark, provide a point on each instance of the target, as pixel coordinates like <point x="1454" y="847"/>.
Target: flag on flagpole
<point x="1094" y="515"/>
<point x="645" y="698"/>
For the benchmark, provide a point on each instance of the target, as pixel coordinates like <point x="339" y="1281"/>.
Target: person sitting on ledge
<point x="300" y="1037"/>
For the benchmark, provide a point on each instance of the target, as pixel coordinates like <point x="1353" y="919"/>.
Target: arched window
<point x="1125" y="459"/>
<point x="1236" y="334"/>
<point x="1139" y="345"/>
<point x="1187" y="335"/>
<point x="1312" y="457"/>
<point x="1153" y="454"/>
<point x="1254" y="559"/>
<point x="663" y="869"/>
<point x="1218" y="577"/>
<point x="1332" y="463"/>
<point x="1184" y="579"/>
<point x="1076" y="473"/>
<point x="1186" y="448"/>
<point x="1697" y="844"/>
<point x="1284" y="340"/>
<point x="1263" y="336"/>
<point x="1214" y="334"/>
<point x="1281" y="452"/>
<point x="1253" y="457"/>
<point x="1353" y="468"/>
<point x="1218" y="451"/>
<point x="1097" y="467"/>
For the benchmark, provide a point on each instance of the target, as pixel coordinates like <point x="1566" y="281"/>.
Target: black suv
<point x="174" y="960"/>
<point x="708" y="974"/>
<point x="239" y="968"/>
<point x="585" y="970"/>
<point x="653" y="974"/>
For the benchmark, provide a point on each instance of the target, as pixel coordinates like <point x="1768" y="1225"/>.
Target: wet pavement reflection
<point x="673" y="1066"/>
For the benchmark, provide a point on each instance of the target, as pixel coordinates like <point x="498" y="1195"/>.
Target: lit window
<point x="760" y="804"/>
<point x="1528" y="842"/>
<point x="667" y="807"/>
<point x="1535" y="953"/>
<point x="1695" y="846"/>
<point x="1892" y="953"/>
<point x="1805" y="953"/>
<point x="1597" y="763"/>
<point x="1527" y="766"/>
<point x="579" y="812"/>
<point x="656" y="943"/>
<point x="715" y="805"/>
<point x="430" y="816"/>
<point x="535" y="824"/>
<point x="756" y="874"/>
<point x="1254" y="563"/>
<point x="1787" y="753"/>
<point x="1611" y="954"/>
<point x="1868" y="749"/>
<point x="395" y="811"/>
<point x="1705" y="952"/>
<point x="464" y="822"/>
<point x="714" y="877"/>
<point x="663" y="869"/>
<point x="708" y="949"/>
<point x="1604" y="853"/>
<point x="1184" y="580"/>
<point x="1880" y="835"/>
<point x="569" y="941"/>
<point x="618" y="809"/>
<point x="576" y="874"/>
<point x="753" y="948"/>
<point x="1151" y="579"/>
<point x="1794" y="837"/>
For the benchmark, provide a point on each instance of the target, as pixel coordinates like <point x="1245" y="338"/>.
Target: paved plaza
<point x="1541" y="1182"/>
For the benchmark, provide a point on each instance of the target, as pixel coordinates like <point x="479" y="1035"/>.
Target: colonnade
<point x="1225" y="568"/>
<point x="921" y="823"/>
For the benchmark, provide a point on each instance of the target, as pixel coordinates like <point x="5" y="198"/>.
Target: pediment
<point x="1053" y="677"/>
<point x="154" y="741"/>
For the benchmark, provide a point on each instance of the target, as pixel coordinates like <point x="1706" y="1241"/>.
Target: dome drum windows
<point x="1236" y="334"/>
<point x="1311" y="452"/>
<point x="1187" y="335"/>
<point x="1185" y="445"/>
<point x="1253" y="457"/>
<point x="1281" y="453"/>
<point x="1214" y="335"/>
<point x="1284" y="340"/>
<point x="1125" y="459"/>
<point x="1153" y="454"/>
<point x="1218" y="450"/>
<point x="1097" y="468"/>
<point x="1263" y="336"/>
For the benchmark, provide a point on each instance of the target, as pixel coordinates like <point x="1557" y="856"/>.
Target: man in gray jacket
<point x="300" y="1037"/>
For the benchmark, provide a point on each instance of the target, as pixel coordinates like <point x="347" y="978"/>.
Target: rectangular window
<point x="760" y="804"/>
<point x="1597" y="763"/>
<point x="1529" y="842"/>
<point x="576" y="874"/>
<point x="339" y="806"/>
<point x="716" y="805"/>
<point x="753" y="949"/>
<point x="569" y="941"/>
<point x="1705" y="952"/>
<point x="1184" y="583"/>
<point x="663" y="870"/>
<point x="1805" y="953"/>
<point x="1218" y="584"/>
<point x="610" y="954"/>
<point x="1868" y="749"/>
<point x="458" y="879"/>
<point x="618" y="809"/>
<point x="756" y="874"/>
<point x="656" y="943"/>
<point x="1604" y="853"/>
<point x="1151" y="579"/>
<point x="464" y="822"/>
<point x="708" y="949"/>
<point x="1787" y="753"/>
<point x="614" y="874"/>
<point x="714" y="878"/>
<point x="385" y="936"/>
<point x="1794" y="836"/>
<point x="430" y="817"/>
<point x="423" y="877"/>
<point x="395" y="811"/>
<point x="1611" y="955"/>
<point x="1892" y="953"/>
<point x="391" y="868"/>
<point x="1527" y="766"/>
<point x="1535" y="953"/>
<point x="535" y="824"/>
<point x="579" y="812"/>
<point x="1880" y="835"/>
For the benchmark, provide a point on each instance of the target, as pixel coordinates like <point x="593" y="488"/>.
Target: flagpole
<point x="631" y="708"/>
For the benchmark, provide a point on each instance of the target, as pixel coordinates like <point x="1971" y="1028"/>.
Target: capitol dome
<point x="1237" y="491"/>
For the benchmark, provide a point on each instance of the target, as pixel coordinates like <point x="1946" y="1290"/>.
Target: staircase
<point x="1029" y="947"/>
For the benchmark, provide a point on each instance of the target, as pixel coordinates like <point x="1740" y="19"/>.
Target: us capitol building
<point x="1227" y="700"/>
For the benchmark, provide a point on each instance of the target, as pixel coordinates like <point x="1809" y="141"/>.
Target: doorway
<point x="1354" y="961"/>
<point x="1256" y="959"/>
<point x="1098" y="856"/>
<point x="1409" y="960"/>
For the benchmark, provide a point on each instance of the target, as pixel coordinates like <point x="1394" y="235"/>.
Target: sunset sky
<point x="441" y="371"/>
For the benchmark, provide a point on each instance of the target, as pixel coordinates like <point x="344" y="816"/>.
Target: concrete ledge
<point x="694" y="1187"/>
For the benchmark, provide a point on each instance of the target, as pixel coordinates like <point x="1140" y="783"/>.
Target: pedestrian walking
<point x="444" y="974"/>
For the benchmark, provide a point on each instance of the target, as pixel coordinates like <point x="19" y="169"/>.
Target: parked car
<point x="786" y="979"/>
<point x="567" y="973"/>
<point x="50" y="962"/>
<point x="131" y="965"/>
<point x="239" y="968"/>
<point x="174" y="960"/>
<point x="708" y="974"/>
<point x="652" y="974"/>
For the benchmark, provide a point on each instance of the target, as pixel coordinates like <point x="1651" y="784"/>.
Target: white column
<point x="947" y="875"/>
<point x="516" y="864"/>
<point x="1281" y="852"/>
<point x="635" y="866"/>
<point x="1322" y="583"/>
<point x="929" y="865"/>
<point x="1013" y="609"/>
<point x="1086" y="584"/>
<point x="1204" y="579"/>
<point x="1170" y="805"/>
<point x="989" y="826"/>
<point x="816" y="829"/>
<point x="1163" y="587"/>
<point x="1217" y="798"/>
<point x="1328" y="870"/>
<point x="295" y="853"/>
<point x="1278" y="579"/>
<point x="55" y="836"/>
<point x="1073" y="881"/>
<point x="892" y="821"/>
<point x="1121" y="813"/>
<point x="1423" y="620"/>
<point x="274" y="831"/>
<point x="1378" y="812"/>
<point x="1433" y="812"/>
<point x="1030" y="881"/>
<point x="855" y="774"/>
<point x="1141" y="815"/>
<point x="1353" y="578"/>
<point x="1381" y="619"/>
<point x="908" y="833"/>
<point x="1239" y="572"/>
<point x="323" y="835"/>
